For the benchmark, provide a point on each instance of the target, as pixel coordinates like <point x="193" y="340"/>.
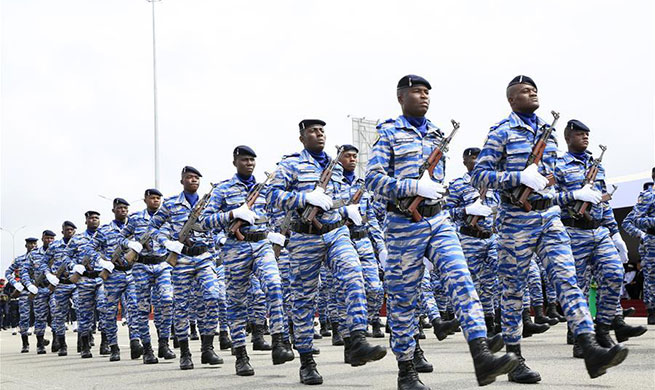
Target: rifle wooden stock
<point x="172" y="258"/>
<point x="104" y="274"/>
<point x="525" y="192"/>
<point x="131" y="256"/>
<point x="15" y="294"/>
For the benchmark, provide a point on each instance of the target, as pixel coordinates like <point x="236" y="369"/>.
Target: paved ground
<point x="546" y="353"/>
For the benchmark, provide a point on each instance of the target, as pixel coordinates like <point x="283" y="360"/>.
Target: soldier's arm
<point x="127" y="231"/>
<point x="374" y="230"/>
<point x="213" y="216"/>
<point x="379" y="172"/>
<point x="628" y="225"/>
<point x="157" y="226"/>
<point x="454" y="202"/>
<point x="279" y="196"/>
<point x="10" y="272"/>
<point x="608" y="219"/>
<point x="642" y="219"/>
<point x="485" y="173"/>
<point x="562" y="197"/>
<point x="25" y="269"/>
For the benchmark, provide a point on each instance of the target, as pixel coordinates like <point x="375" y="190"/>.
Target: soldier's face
<point x="313" y="138"/>
<point x="93" y="221"/>
<point x="47" y="240"/>
<point x="67" y="232"/>
<point x="153" y="202"/>
<point x="120" y="212"/>
<point x="245" y="165"/>
<point x="190" y="182"/>
<point x="523" y="98"/>
<point x="578" y="140"/>
<point x="415" y="101"/>
<point x="469" y="162"/>
<point x="30" y="246"/>
<point x="349" y="160"/>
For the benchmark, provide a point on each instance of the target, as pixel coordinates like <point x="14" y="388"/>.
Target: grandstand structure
<point x="364" y="134"/>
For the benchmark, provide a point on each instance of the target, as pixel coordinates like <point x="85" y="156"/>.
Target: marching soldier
<point x="24" y="303"/>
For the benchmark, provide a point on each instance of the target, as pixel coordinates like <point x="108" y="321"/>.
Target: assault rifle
<point x="236" y="224"/>
<point x="472" y="220"/>
<point x="579" y="209"/>
<point x="285" y="226"/>
<point x="131" y="254"/>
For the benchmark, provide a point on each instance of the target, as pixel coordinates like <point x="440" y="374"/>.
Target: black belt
<point x="358" y="234"/>
<point x="251" y="236"/>
<point x="651" y="231"/>
<point x="308" y="228"/>
<point x="151" y="259"/>
<point x="426" y="211"/>
<point x="472" y="232"/>
<point x="194" y="251"/>
<point x="91" y="274"/>
<point x="582" y="223"/>
<point x="65" y="281"/>
<point x="122" y="268"/>
<point x="537" y="204"/>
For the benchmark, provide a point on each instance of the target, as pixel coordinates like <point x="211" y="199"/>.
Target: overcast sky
<point x="77" y="109"/>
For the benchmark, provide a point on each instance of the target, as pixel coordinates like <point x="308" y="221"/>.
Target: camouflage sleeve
<point x="157" y="227"/>
<point x="562" y="197"/>
<point x="485" y="173"/>
<point x="454" y="202"/>
<point x="642" y="219"/>
<point x="379" y="172"/>
<point x="628" y="225"/>
<point x="26" y="270"/>
<point x="212" y="217"/>
<point x="279" y="195"/>
<point x="608" y="214"/>
<point x="127" y="231"/>
<point x="374" y="230"/>
<point x="10" y="272"/>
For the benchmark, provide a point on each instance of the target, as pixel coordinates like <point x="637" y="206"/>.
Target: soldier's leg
<point x="237" y="284"/>
<point x="222" y="303"/>
<point x="25" y="311"/>
<point x="372" y="284"/>
<point x="114" y="287"/>
<point x="475" y="252"/>
<point x="163" y="289"/>
<point x="283" y="266"/>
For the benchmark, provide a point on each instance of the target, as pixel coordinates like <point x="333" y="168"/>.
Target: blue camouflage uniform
<point x="32" y="272"/>
<point x="256" y="302"/>
<point x="220" y="275"/>
<point x="393" y="173"/>
<point x="152" y="277"/>
<point x="57" y="257"/>
<point x="591" y="240"/>
<point x="644" y="220"/>
<point x="521" y="234"/>
<point x="277" y="219"/>
<point x="246" y="262"/>
<point x="648" y="268"/>
<point x="24" y="302"/>
<point x="297" y="175"/>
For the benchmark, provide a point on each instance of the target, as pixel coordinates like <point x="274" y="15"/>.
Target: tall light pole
<point x="13" y="239"/>
<point x="154" y="92"/>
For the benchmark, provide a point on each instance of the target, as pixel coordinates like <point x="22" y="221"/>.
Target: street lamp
<point x="154" y="92"/>
<point x="13" y="239"/>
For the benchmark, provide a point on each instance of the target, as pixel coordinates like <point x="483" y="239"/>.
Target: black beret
<point x="49" y="233"/>
<point x="575" y="124"/>
<point x="243" y="150"/>
<point x="521" y="79"/>
<point x="31" y="239"/>
<point x="152" y="191"/>
<point x="91" y="212"/>
<point x="471" y="152"/>
<point x="118" y="201"/>
<point x="349" y="147"/>
<point x="189" y="169"/>
<point x="411" y="79"/>
<point x="69" y="224"/>
<point x="305" y="123"/>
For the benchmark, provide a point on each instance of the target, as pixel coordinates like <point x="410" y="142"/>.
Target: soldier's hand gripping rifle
<point x="185" y="233"/>
<point x="357" y="196"/>
<point x="310" y="212"/>
<point x="411" y="204"/>
<point x="235" y="226"/>
<point x="59" y="274"/>
<point x="520" y="194"/>
<point x="285" y="226"/>
<point x="472" y="220"/>
<point x="579" y="208"/>
<point x="86" y="263"/>
<point x="131" y="254"/>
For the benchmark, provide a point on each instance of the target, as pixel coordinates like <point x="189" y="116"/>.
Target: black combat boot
<point x="629" y="311"/>
<point x="136" y="349"/>
<point x="185" y="355"/>
<point x="361" y="351"/>
<point x="377" y="329"/>
<point x="308" y="373"/>
<point x="424" y="321"/>
<point x="420" y="362"/>
<point x="541" y="318"/>
<point x="194" y="331"/>
<point x="603" y="337"/>
<point x="86" y="348"/>
<point x="491" y="326"/>
<point x="442" y="328"/>
<point x="55" y="343"/>
<point x="495" y="343"/>
<point x="163" y="351"/>
<point x="40" y="345"/>
<point x="149" y="354"/>
<point x="115" y="353"/>
<point x="552" y="312"/>
<point x="242" y="364"/>
<point x="387" y="327"/>
<point x="104" y="345"/>
<point x="570" y="339"/>
<point x="487" y="366"/>
<point x="257" y="338"/>
<point x="651" y="317"/>
<point x="92" y="342"/>
<point x="408" y="377"/>
<point x="421" y="333"/>
<point x="224" y="341"/>
<point x="346" y="350"/>
<point x="208" y="355"/>
<point x="176" y="342"/>
<point x="529" y="327"/>
<point x="522" y="373"/>
<point x="451" y="316"/>
<point x="578" y="353"/>
<point x="325" y="331"/>
<point x="63" y="348"/>
<point x="598" y="359"/>
<point x="623" y="331"/>
<point x="79" y="342"/>
<point x="336" y="337"/>
<point x="26" y="343"/>
<point x="317" y="333"/>
<point x="497" y="321"/>
<point x="280" y="353"/>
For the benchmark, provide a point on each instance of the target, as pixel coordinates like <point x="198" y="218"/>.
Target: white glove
<point x="352" y="211"/>
<point x="319" y="199"/>
<point x="428" y="264"/>
<point x="620" y="247"/>
<point x="33" y="289"/>
<point x="429" y="188"/>
<point x="174" y="246"/>
<point x="52" y="279"/>
<point x="222" y="240"/>
<point x="79" y="269"/>
<point x="135" y="246"/>
<point x="108" y="265"/>
<point x="277" y="238"/>
<point x="383" y="255"/>
<point x="477" y="208"/>
<point x="588" y="194"/>
<point x="19" y="286"/>
<point x="532" y="178"/>
<point x="244" y="213"/>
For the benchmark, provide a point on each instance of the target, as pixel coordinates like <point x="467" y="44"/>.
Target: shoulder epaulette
<point x="497" y="125"/>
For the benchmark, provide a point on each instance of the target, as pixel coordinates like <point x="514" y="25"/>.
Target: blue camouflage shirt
<point x="461" y="194"/>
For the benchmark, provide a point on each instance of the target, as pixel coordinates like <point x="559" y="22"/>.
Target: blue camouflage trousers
<point x="63" y="296"/>
<point x="153" y="287"/>
<point x="41" y="308"/>
<point x="189" y="274"/>
<point x="482" y="259"/>
<point x="91" y="296"/>
<point x="440" y="294"/>
<point x="428" y="303"/>
<point x="595" y="254"/>
<point x="244" y="263"/>
<point x="117" y="284"/>
<point x="52" y="304"/>
<point x="326" y="302"/>
<point x="519" y="239"/>
<point x="551" y="294"/>
<point x="222" y="299"/>
<point x="307" y="252"/>
<point x="285" y="276"/>
<point x="372" y="284"/>
<point x="256" y="301"/>
<point x="24" y="312"/>
<point x="648" y="266"/>
<point x="408" y="242"/>
<point x="534" y="296"/>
